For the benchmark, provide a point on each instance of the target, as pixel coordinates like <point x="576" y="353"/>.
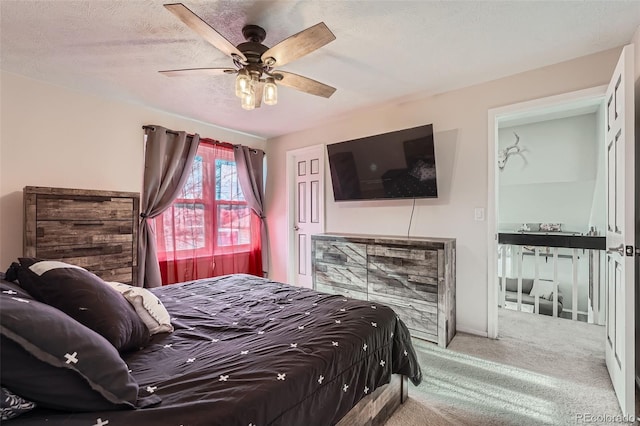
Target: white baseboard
<point x="469" y="330"/>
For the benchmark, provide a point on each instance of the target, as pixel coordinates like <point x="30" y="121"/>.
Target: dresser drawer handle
<point x="92" y="199"/>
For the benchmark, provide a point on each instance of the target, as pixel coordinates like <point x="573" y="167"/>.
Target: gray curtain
<point x="250" y="166"/>
<point x="167" y="163"/>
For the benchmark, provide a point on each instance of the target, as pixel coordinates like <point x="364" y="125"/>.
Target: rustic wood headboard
<point x="97" y="230"/>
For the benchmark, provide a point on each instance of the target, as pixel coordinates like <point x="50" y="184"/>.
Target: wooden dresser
<point x="97" y="230"/>
<point x="415" y="276"/>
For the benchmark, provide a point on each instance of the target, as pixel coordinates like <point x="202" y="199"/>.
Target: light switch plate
<point x="478" y="214"/>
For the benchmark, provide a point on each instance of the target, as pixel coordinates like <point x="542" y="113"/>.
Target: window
<point x="209" y="218"/>
<point x="232" y="211"/>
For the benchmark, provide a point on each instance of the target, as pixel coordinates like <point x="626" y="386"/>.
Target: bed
<point x="244" y="351"/>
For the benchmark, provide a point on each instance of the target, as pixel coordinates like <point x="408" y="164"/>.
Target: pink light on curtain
<point x="209" y="230"/>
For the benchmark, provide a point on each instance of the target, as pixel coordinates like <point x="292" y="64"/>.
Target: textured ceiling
<point x="384" y="50"/>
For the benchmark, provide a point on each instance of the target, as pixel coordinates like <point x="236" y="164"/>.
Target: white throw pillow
<point x="544" y="289"/>
<point x="147" y="305"/>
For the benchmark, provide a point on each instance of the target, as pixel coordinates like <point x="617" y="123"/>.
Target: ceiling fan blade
<point x="305" y="84"/>
<point x="298" y="45"/>
<point x="194" y="22"/>
<point x="198" y="71"/>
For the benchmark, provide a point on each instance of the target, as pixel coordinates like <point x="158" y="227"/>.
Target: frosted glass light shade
<point x="249" y="99"/>
<point x="270" y="95"/>
<point x="243" y="83"/>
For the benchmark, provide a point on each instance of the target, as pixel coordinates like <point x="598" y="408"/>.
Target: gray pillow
<point x="147" y="305"/>
<point x="86" y="298"/>
<point x="51" y="359"/>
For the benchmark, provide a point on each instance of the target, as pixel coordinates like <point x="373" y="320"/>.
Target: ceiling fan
<point x="254" y="62"/>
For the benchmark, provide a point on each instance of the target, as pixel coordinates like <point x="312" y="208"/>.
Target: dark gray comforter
<point x="248" y="351"/>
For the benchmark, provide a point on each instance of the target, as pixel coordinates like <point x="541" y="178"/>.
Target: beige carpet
<point x="541" y="371"/>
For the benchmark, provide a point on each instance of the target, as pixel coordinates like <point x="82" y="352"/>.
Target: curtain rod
<point x="153" y="129"/>
<point x="171" y="132"/>
<point x="207" y="140"/>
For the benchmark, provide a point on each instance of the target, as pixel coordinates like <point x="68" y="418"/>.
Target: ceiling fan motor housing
<point x="253" y="49"/>
<point x="254" y="33"/>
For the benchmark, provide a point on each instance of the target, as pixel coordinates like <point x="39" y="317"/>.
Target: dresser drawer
<point x="340" y="253"/>
<point x="401" y="260"/>
<point x="352" y="278"/>
<point x="93" y="262"/>
<point x="418" y="316"/>
<point x="55" y="233"/>
<point x="121" y="275"/>
<point x="415" y="287"/>
<point x="341" y="290"/>
<point x="121" y="252"/>
<point x="75" y="207"/>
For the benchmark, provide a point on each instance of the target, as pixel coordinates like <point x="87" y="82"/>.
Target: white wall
<point x="554" y="179"/>
<point x="460" y="129"/>
<point x="598" y="217"/>
<point x="52" y="136"/>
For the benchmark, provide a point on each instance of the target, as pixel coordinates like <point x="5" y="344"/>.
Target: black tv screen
<point x="400" y="164"/>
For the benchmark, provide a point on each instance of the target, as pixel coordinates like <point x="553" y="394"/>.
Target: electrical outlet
<point x="478" y="214"/>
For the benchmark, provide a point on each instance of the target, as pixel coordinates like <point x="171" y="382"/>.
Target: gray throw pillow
<point x="51" y="359"/>
<point x="86" y="298"/>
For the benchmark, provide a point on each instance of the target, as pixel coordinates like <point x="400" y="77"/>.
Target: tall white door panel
<point x="620" y="233"/>
<point x="307" y="167"/>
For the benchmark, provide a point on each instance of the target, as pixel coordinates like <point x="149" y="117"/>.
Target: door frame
<point x="290" y="197"/>
<point x="549" y="103"/>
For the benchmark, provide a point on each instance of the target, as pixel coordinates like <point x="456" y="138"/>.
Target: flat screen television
<point x="399" y="164"/>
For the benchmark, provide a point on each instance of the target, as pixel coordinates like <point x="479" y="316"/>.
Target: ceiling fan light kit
<point x="246" y="90"/>
<point x="255" y="62"/>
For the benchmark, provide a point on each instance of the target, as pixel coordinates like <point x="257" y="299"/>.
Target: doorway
<point x="512" y="157"/>
<point x="620" y="198"/>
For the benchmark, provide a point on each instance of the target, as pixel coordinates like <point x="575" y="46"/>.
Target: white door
<point x="620" y="343"/>
<point x="307" y="216"/>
